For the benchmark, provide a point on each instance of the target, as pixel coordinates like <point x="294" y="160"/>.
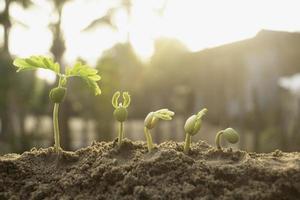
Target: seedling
<point x="229" y="134"/>
<point x="57" y="94"/>
<point x="121" y="112"/>
<point x="192" y="127"/>
<point x="151" y="121"/>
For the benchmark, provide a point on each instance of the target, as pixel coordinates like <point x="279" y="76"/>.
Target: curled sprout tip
<point x="201" y="113"/>
<point x="126" y="99"/>
<point x="164" y="114"/>
<point x="115" y="99"/>
<point x="229" y="134"/>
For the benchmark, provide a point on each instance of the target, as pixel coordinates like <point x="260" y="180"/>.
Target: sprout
<point x="121" y="112"/>
<point x="192" y="127"/>
<point x="229" y="134"/>
<point x="151" y="121"/>
<point x="57" y="94"/>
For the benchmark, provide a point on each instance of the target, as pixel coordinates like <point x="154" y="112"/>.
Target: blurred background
<point x="239" y="59"/>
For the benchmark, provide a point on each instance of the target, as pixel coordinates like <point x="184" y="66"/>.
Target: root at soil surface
<point x="106" y="171"/>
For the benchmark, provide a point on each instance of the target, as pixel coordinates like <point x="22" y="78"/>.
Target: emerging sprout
<point x="151" y="120"/>
<point x="192" y="127"/>
<point x="121" y="112"/>
<point x="229" y="134"/>
<point x="57" y="94"/>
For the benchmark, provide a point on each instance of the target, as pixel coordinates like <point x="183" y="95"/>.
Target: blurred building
<point x="238" y="83"/>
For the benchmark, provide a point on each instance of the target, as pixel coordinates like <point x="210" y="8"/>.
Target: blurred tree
<point x="107" y="19"/>
<point x="119" y="66"/>
<point x="58" y="49"/>
<point x="11" y="110"/>
<point x="166" y="62"/>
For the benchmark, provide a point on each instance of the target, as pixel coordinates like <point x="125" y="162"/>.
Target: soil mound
<point x="105" y="171"/>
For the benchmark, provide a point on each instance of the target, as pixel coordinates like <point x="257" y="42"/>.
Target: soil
<point x="105" y="171"/>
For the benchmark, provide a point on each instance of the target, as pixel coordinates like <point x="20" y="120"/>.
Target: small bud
<point x="121" y="114"/>
<point x="57" y="94"/>
<point x="194" y="122"/>
<point x="192" y="126"/>
<point x="63" y="81"/>
<point x="231" y="135"/>
<point x="153" y="117"/>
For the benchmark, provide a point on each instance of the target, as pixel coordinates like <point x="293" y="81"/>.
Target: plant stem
<point x="121" y="133"/>
<point x="56" y="128"/>
<point x="149" y="139"/>
<point x="187" y="143"/>
<point x="122" y="127"/>
<point x="218" y="140"/>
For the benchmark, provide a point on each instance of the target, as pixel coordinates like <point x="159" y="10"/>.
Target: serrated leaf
<point x="88" y="74"/>
<point x="35" y="62"/>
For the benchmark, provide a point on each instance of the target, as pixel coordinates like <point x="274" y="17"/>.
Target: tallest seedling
<point x="57" y="94"/>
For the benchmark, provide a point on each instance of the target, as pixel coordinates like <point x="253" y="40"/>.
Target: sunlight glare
<point x="33" y="39"/>
<point x="46" y="75"/>
<point x="198" y="24"/>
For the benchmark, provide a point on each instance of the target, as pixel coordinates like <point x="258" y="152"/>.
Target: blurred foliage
<point x="237" y="83"/>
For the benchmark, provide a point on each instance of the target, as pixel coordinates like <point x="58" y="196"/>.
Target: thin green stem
<point x="187" y="143"/>
<point x="218" y="140"/>
<point x="121" y="133"/>
<point x="149" y="139"/>
<point x="56" y="128"/>
<point x="122" y="127"/>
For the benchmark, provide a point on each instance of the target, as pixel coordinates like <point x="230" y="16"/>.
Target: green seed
<point x="57" y="94"/>
<point x="231" y="135"/>
<point x="121" y="114"/>
<point x="192" y="125"/>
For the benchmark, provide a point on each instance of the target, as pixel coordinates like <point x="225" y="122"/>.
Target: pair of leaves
<point x="164" y="114"/>
<point x="153" y="117"/>
<point x="126" y="99"/>
<point x="89" y="75"/>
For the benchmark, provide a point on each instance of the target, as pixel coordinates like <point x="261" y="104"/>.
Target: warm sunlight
<point x="150" y="99"/>
<point x="47" y="75"/>
<point x="198" y="24"/>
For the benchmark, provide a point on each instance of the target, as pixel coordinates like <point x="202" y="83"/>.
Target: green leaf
<point x="126" y="99"/>
<point x="115" y="99"/>
<point x="201" y="113"/>
<point x="88" y="74"/>
<point x="35" y="62"/>
<point x="164" y="114"/>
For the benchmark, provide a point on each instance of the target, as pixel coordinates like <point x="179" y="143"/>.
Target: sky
<point x="198" y="24"/>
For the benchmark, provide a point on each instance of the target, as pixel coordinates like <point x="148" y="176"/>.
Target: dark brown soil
<point x="103" y="171"/>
